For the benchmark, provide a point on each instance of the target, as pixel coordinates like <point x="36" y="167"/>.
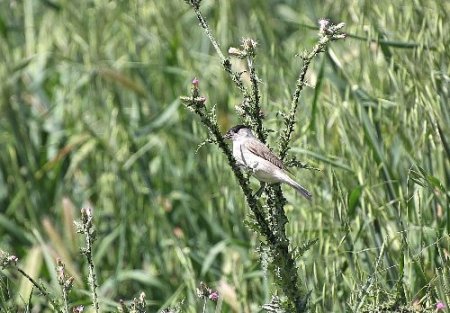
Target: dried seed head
<point x="249" y="46"/>
<point x="86" y="214"/>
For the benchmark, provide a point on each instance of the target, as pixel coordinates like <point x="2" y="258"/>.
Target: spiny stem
<point x="87" y="228"/>
<point x="290" y="121"/>
<point x="65" y="282"/>
<point x="65" y="300"/>
<point x="92" y="275"/>
<point x="205" y="26"/>
<point x="256" y="107"/>
<point x="289" y="278"/>
<point x="225" y="61"/>
<point x="39" y="287"/>
<point x="328" y="32"/>
<point x="255" y="113"/>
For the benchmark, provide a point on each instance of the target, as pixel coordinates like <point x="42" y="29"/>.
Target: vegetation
<point x="91" y="116"/>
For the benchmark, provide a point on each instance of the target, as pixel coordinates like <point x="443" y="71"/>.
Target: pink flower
<point x="323" y="23"/>
<point x="78" y="309"/>
<point x="440" y="306"/>
<point x="13" y="259"/>
<point x="195" y="82"/>
<point x="213" y="296"/>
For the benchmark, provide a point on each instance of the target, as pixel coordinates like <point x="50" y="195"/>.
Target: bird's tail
<point x="300" y="189"/>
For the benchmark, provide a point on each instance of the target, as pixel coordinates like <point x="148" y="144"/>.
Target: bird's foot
<point x="260" y="191"/>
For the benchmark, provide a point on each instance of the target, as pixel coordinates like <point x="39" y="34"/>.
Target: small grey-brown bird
<point x="252" y="154"/>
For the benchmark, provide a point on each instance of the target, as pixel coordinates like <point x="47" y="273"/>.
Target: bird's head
<point x="238" y="131"/>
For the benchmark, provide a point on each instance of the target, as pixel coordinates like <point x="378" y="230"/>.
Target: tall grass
<point x="90" y="115"/>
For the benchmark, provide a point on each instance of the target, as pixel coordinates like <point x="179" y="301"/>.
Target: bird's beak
<point x="227" y="135"/>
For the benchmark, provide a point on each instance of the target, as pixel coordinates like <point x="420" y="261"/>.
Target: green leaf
<point x="353" y="200"/>
<point x="435" y="182"/>
<point x="212" y="254"/>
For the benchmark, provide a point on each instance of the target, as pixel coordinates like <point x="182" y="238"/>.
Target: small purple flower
<point x="194" y="89"/>
<point x="13" y="259"/>
<point x="7" y="260"/>
<point x="440" y="306"/>
<point x="78" y="309"/>
<point x="213" y="296"/>
<point x="323" y="23"/>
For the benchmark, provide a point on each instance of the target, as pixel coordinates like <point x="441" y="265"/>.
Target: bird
<point x="251" y="154"/>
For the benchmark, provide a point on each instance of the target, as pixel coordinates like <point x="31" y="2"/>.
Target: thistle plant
<point x="137" y="305"/>
<point x="65" y="282"/>
<point x="86" y="227"/>
<point x="8" y="260"/>
<point x="269" y="218"/>
<point x="205" y="293"/>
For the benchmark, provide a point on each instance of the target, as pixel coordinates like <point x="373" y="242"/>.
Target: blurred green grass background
<point x="90" y="115"/>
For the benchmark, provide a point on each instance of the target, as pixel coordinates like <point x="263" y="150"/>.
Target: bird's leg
<point x="260" y="190"/>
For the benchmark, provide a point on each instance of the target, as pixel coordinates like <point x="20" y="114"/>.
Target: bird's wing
<point x="259" y="149"/>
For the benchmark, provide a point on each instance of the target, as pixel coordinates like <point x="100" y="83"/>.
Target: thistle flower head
<point x="328" y="30"/>
<point x="195" y="90"/>
<point x="86" y="214"/>
<point x="323" y="23"/>
<point x="213" y="296"/>
<point x="440" y="306"/>
<point x="78" y="309"/>
<point x="204" y="292"/>
<point x="249" y="46"/>
<point x="7" y="260"/>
